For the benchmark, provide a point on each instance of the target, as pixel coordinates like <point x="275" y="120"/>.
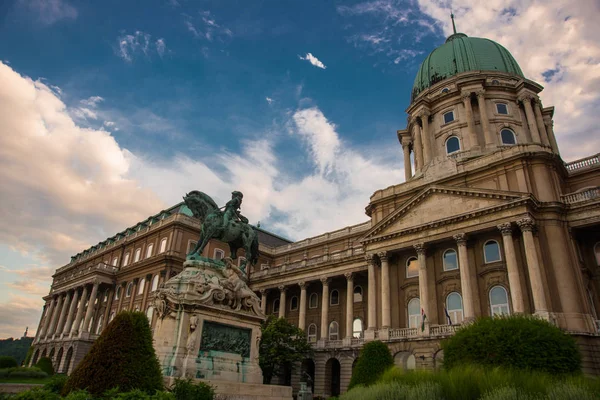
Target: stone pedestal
<point x="209" y="327"/>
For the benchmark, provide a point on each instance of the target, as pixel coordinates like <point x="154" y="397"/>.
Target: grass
<point x="41" y="381"/>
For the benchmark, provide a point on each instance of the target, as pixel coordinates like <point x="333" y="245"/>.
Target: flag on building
<point x="423" y="317"/>
<point x="448" y="316"/>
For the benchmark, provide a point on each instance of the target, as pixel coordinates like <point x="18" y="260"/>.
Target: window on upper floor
<point x="502" y="108"/>
<point x="294" y="303"/>
<point x="118" y="292"/>
<point x="448" y="117"/>
<point x="499" y="301"/>
<point x="495" y="82"/>
<point x="508" y="137"/>
<point x="412" y="267"/>
<point x="313" y="301"/>
<point x="450" y="260"/>
<point x="149" y="250"/>
<point x="334" y="298"/>
<point x="163" y="245"/>
<point x="219" y="254"/>
<point x="312" y="333"/>
<point x="115" y="261"/>
<point x="445" y="90"/>
<point x="452" y="145"/>
<point x="129" y="289"/>
<point x="358" y="294"/>
<point x="491" y="251"/>
<point x="155" y="282"/>
<point x="136" y="256"/>
<point x="357" y="328"/>
<point x="334" y="330"/>
<point x="414" y="312"/>
<point x="126" y="260"/>
<point x="275" y="306"/>
<point x="141" y="286"/>
<point x="454" y="308"/>
<point x="191" y="245"/>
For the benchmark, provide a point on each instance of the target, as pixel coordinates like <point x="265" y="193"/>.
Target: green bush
<point x="518" y="341"/>
<point x="394" y="391"/>
<point x="57" y="383"/>
<point x="36" y="394"/>
<point x="123" y="356"/>
<point x="45" y="364"/>
<point x="8" y="362"/>
<point x="187" y="390"/>
<point x="79" y="395"/>
<point x="373" y="360"/>
<point x="22" y="372"/>
<point x="28" y="356"/>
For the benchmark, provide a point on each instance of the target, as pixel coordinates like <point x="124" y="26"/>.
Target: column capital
<point x="465" y="95"/>
<point x="524" y="97"/>
<point x="424" y="114"/>
<point x="480" y="93"/>
<point x="325" y="281"/>
<point x="461" y="238"/>
<point x="420" y="248"/>
<point x="282" y="288"/>
<point x="369" y="258"/>
<point x="526" y="224"/>
<point x="549" y="122"/>
<point x="406" y="141"/>
<point x="302" y="284"/>
<point x="349" y="276"/>
<point x="383" y="255"/>
<point x="148" y="277"/>
<point x="263" y="291"/>
<point x="505" y="228"/>
<point x="135" y="281"/>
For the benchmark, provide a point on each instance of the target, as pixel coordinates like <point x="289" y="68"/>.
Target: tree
<point x="123" y="356"/>
<point x="45" y="364"/>
<point x="8" y="362"/>
<point x="374" y="359"/>
<point x="517" y="341"/>
<point x="282" y="344"/>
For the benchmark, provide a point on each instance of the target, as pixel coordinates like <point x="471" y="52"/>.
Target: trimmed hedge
<point x="8" y="362"/>
<point x="517" y="341"/>
<point x="374" y="359"/>
<point x="187" y="390"/>
<point x="123" y="356"/>
<point x="45" y="364"/>
<point x="21" y="372"/>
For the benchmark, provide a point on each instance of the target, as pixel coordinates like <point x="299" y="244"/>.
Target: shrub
<point x="508" y="393"/>
<point x="36" y="394"/>
<point x="373" y="360"/>
<point x="394" y="391"/>
<point x="185" y="389"/>
<point x="8" y="362"/>
<point x="56" y="384"/>
<point x="33" y="372"/>
<point x="123" y="356"/>
<point x="79" y="395"/>
<point x="28" y="356"/>
<point x="45" y="364"/>
<point x="518" y="341"/>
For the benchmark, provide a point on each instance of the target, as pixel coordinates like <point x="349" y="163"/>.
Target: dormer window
<point x="502" y="108"/>
<point x="452" y="145"/>
<point x="448" y="117"/>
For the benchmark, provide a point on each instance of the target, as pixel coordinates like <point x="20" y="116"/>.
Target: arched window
<point x="495" y="82"/>
<point x="414" y="312"/>
<point x="454" y="307"/>
<point x="149" y="250"/>
<point x="411" y="363"/>
<point x="452" y="145"/>
<point x="163" y="245"/>
<point x="312" y="333"/>
<point x="445" y="90"/>
<point x="357" y="328"/>
<point x="118" y="292"/>
<point x="294" y="303"/>
<point x="334" y="298"/>
<point x="126" y="260"/>
<point x="502" y="108"/>
<point x="450" y="260"/>
<point x="597" y="253"/>
<point x="499" y="301"/>
<point x="275" y="306"/>
<point x="137" y="254"/>
<point x="219" y="254"/>
<point x="141" y="286"/>
<point x="358" y="294"/>
<point x="313" y="301"/>
<point x="129" y="289"/>
<point x="155" y="282"/>
<point x="448" y="117"/>
<point x="150" y="313"/>
<point x="508" y="137"/>
<point x="491" y="251"/>
<point x="115" y="261"/>
<point x="333" y="330"/>
<point x="412" y="267"/>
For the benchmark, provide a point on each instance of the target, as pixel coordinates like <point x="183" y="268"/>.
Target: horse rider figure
<point x="232" y="209"/>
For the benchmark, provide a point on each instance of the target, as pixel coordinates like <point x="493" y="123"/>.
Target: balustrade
<point x="583" y="163"/>
<point x="584" y="195"/>
<point x="403" y="333"/>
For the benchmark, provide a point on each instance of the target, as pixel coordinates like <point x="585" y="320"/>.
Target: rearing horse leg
<point x="205" y="239"/>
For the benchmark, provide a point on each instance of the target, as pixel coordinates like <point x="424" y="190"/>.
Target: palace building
<point x="489" y="220"/>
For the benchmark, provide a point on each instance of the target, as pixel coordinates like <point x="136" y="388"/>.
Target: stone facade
<point x="489" y="220"/>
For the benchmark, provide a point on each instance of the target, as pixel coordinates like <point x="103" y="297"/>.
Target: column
<point x="423" y="288"/>
<point x="485" y="122"/>
<point x="465" y="276"/>
<point x="372" y="298"/>
<point x="147" y="283"/>
<point x="349" y="303"/>
<point x="426" y="137"/>
<point x="90" y="309"/>
<point x="38" y="331"/>
<point x="535" y="274"/>
<point x="134" y="291"/>
<point x="551" y="137"/>
<point x="466" y="98"/>
<point x="48" y="318"/>
<point x="514" y="278"/>
<point x="539" y="120"/>
<point x="282" y="290"/>
<point x="79" y="315"/>
<point x="122" y="296"/>
<point x="55" y="316"/>
<point x="533" y="130"/>
<point x="386" y="310"/>
<point x="302" y="316"/>
<point x="72" y="311"/>
<point x="407" y="166"/>
<point x="63" y="313"/>
<point x="325" y="309"/>
<point x="263" y="300"/>
<point x="417" y="147"/>
<point x="109" y="301"/>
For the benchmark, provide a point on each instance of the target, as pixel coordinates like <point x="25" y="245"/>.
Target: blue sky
<point x="110" y="111"/>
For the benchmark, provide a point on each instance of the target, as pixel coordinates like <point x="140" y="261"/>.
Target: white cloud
<point x="109" y="124"/>
<point x="132" y="45"/>
<point x="92" y="101"/>
<point x="50" y="11"/>
<point x="206" y="27"/>
<point x="313" y="60"/>
<point x="269" y="100"/>
<point x="556" y="44"/>
<point x="161" y="46"/>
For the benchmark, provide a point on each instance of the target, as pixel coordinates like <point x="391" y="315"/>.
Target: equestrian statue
<point x="228" y="226"/>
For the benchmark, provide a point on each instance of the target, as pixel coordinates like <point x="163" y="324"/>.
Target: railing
<point x="583" y="163"/>
<point x="442" y="330"/>
<point x="403" y="333"/>
<point x="359" y="341"/>
<point x="334" y="343"/>
<point x="584" y="195"/>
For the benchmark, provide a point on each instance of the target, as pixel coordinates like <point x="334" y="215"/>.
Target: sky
<point x="110" y="111"/>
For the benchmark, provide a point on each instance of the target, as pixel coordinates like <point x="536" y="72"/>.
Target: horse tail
<point x="254" y="249"/>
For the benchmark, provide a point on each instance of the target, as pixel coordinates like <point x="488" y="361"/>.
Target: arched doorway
<point x="44" y="353"/>
<point x="36" y="355"/>
<point x="58" y="360"/>
<point x="51" y="354"/>
<point x="68" y="360"/>
<point x="405" y="361"/>
<point x="308" y="370"/>
<point x="332" y="376"/>
<point x="438" y="360"/>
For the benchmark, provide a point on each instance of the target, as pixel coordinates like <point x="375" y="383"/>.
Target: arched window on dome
<point x="508" y="137"/>
<point x="445" y="90"/>
<point x="452" y="145"/>
<point x="495" y="82"/>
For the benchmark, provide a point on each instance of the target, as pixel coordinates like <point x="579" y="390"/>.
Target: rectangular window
<point x="449" y="117"/>
<point x="502" y="108"/>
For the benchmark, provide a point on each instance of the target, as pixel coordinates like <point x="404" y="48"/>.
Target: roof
<point x="459" y="54"/>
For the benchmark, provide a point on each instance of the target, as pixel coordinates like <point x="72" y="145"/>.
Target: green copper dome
<point x="459" y="54"/>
